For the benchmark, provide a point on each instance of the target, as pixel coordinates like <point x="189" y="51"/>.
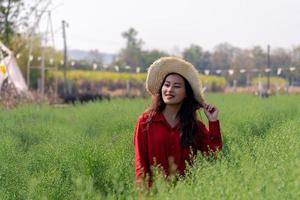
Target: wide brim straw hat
<point x="166" y="65"/>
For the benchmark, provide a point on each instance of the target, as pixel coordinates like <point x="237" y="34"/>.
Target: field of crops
<point x="124" y="76"/>
<point x="86" y="152"/>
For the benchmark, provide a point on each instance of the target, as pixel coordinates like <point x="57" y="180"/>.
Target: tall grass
<point x="86" y="152"/>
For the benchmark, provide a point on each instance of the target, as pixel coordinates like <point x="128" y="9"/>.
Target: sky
<point x="173" y="25"/>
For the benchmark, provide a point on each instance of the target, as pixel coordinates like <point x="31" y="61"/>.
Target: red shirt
<point x="159" y="145"/>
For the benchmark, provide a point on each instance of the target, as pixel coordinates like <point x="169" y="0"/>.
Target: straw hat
<point x="166" y="65"/>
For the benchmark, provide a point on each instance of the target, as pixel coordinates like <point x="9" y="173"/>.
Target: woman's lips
<point x="169" y="96"/>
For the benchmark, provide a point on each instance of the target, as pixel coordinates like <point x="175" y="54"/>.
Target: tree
<point x="95" y="57"/>
<point x="222" y="56"/>
<point x="132" y="41"/>
<point x="259" y="57"/>
<point x="280" y="58"/>
<point x="150" y="56"/>
<point x="295" y="62"/>
<point x="14" y="20"/>
<point x="199" y="58"/>
<point x="9" y="14"/>
<point x="131" y="55"/>
<point x="242" y="63"/>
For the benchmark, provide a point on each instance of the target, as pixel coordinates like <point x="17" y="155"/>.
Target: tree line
<point x="15" y="16"/>
<point x="250" y="61"/>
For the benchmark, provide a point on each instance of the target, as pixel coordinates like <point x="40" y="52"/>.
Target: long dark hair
<point x="187" y="113"/>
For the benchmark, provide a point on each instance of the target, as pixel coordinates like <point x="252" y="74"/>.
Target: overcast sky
<point x="172" y="25"/>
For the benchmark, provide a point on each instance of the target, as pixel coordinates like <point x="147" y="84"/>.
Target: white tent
<point x="12" y="71"/>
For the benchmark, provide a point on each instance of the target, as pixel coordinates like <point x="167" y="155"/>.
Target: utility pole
<point x="44" y="44"/>
<point x="269" y="70"/>
<point x="29" y="61"/>
<point x="66" y="91"/>
<point x="43" y="72"/>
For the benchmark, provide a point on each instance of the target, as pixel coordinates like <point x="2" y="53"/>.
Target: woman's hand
<point x="211" y="112"/>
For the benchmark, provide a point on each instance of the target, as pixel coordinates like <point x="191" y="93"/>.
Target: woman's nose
<point x="170" y="88"/>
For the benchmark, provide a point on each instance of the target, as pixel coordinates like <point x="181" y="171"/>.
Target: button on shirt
<point x="158" y="144"/>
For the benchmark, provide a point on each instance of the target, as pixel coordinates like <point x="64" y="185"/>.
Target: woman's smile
<point x="169" y="96"/>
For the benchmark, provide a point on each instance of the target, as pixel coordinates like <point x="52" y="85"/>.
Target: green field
<point x="86" y="152"/>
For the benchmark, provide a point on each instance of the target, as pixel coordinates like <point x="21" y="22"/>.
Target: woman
<point x="168" y="132"/>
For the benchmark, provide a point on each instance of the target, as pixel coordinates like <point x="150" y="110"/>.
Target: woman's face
<point x="173" y="90"/>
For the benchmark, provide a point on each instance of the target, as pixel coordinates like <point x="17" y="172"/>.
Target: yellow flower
<point x="2" y="68"/>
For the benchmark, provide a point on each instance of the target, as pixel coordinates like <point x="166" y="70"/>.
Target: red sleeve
<point x="210" y="139"/>
<point x="142" y="166"/>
